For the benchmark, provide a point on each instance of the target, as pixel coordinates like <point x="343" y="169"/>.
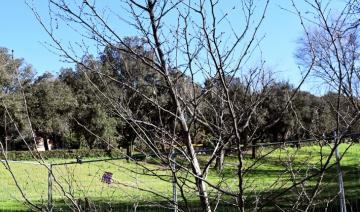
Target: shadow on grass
<point x="97" y="205"/>
<point x="352" y="205"/>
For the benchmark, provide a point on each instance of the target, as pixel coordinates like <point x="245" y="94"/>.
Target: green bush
<point x="63" y="154"/>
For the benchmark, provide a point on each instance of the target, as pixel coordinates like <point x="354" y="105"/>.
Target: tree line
<point x="74" y="109"/>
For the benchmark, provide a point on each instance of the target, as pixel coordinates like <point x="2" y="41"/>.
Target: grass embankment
<point x="135" y="185"/>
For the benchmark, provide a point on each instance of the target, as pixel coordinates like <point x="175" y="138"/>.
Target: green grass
<point x="133" y="181"/>
<point x="82" y="180"/>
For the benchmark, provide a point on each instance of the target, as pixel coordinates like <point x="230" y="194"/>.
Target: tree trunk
<point x="204" y="199"/>
<point x="199" y="181"/>
<point x="201" y="186"/>
<point x="275" y="137"/>
<point x="241" y="200"/>
<point x="129" y="150"/>
<point x="253" y="149"/>
<point x="219" y="163"/>
<point x="46" y="144"/>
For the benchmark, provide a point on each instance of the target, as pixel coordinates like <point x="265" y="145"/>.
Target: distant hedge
<point x="63" y="154"/>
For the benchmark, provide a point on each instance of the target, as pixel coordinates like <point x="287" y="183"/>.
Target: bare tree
<point x="192" y="46"/>
<point x="329" y="48"/>
<point x="187" y="43"/>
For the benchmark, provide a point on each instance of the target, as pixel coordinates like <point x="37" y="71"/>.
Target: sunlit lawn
<point x="83" y="180"/>
<point x="132" y="181"/>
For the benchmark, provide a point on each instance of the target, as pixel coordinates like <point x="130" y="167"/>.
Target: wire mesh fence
<point x="289" y="165"/>
<point x="133" y="186"/>
<point x="29" y="177"/>
<point x="58" y="184"/>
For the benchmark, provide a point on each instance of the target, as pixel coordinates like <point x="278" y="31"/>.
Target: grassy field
<point x="132" y="182"/>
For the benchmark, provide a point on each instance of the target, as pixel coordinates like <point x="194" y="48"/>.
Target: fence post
<point x="173" y="157"/>
<point x="50" y="179"/>
<point x="340" y="177"/>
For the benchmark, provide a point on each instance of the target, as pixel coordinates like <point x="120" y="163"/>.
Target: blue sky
<point x="20" y="31"/>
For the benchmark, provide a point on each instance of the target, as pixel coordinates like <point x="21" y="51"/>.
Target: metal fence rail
<point x="330" y="139"/>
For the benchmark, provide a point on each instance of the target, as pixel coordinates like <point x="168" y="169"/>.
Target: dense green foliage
<point x="93" y="106"/>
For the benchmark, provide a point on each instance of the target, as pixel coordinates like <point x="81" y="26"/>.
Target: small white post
<point x="50" y="179"/>
<point x="340" y="176"/>
<point x="173" y="157"/>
